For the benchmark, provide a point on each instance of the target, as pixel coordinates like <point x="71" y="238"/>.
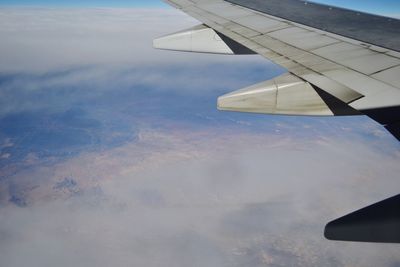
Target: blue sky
<point x="373" y="6"/>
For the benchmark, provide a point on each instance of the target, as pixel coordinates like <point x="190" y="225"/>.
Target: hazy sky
<point x="382" y="7"/>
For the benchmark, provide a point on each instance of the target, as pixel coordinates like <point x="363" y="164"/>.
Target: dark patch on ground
<point x="19" y="201"/>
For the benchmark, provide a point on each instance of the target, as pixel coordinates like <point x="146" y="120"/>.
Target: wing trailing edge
<point x="357" y="63"/>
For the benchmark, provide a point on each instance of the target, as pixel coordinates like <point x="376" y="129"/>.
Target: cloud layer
<point x="156" y="176"/>
<point x="230" y="204"/>
<point x="39" y="40"/>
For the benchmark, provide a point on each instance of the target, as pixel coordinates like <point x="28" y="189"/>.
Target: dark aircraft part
<point x="368" y="28"/>
<point x="379" y="223"/>
<point x="394" y="129"/>
<point x="389" y="117"/>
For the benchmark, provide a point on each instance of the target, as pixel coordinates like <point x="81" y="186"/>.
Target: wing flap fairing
<point x="284" y="95"/>
<point x="201" y="39"/>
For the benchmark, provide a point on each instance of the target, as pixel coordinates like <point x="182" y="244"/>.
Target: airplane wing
<point x="339" y="62"/>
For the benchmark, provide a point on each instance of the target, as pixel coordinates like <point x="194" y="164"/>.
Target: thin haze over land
<point x="113" y="154"/>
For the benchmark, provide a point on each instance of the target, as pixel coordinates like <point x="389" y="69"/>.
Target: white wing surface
<point x="340" y="62"/>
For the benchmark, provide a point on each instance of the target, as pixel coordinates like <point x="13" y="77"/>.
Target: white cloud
<point x="47" y="39"/>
